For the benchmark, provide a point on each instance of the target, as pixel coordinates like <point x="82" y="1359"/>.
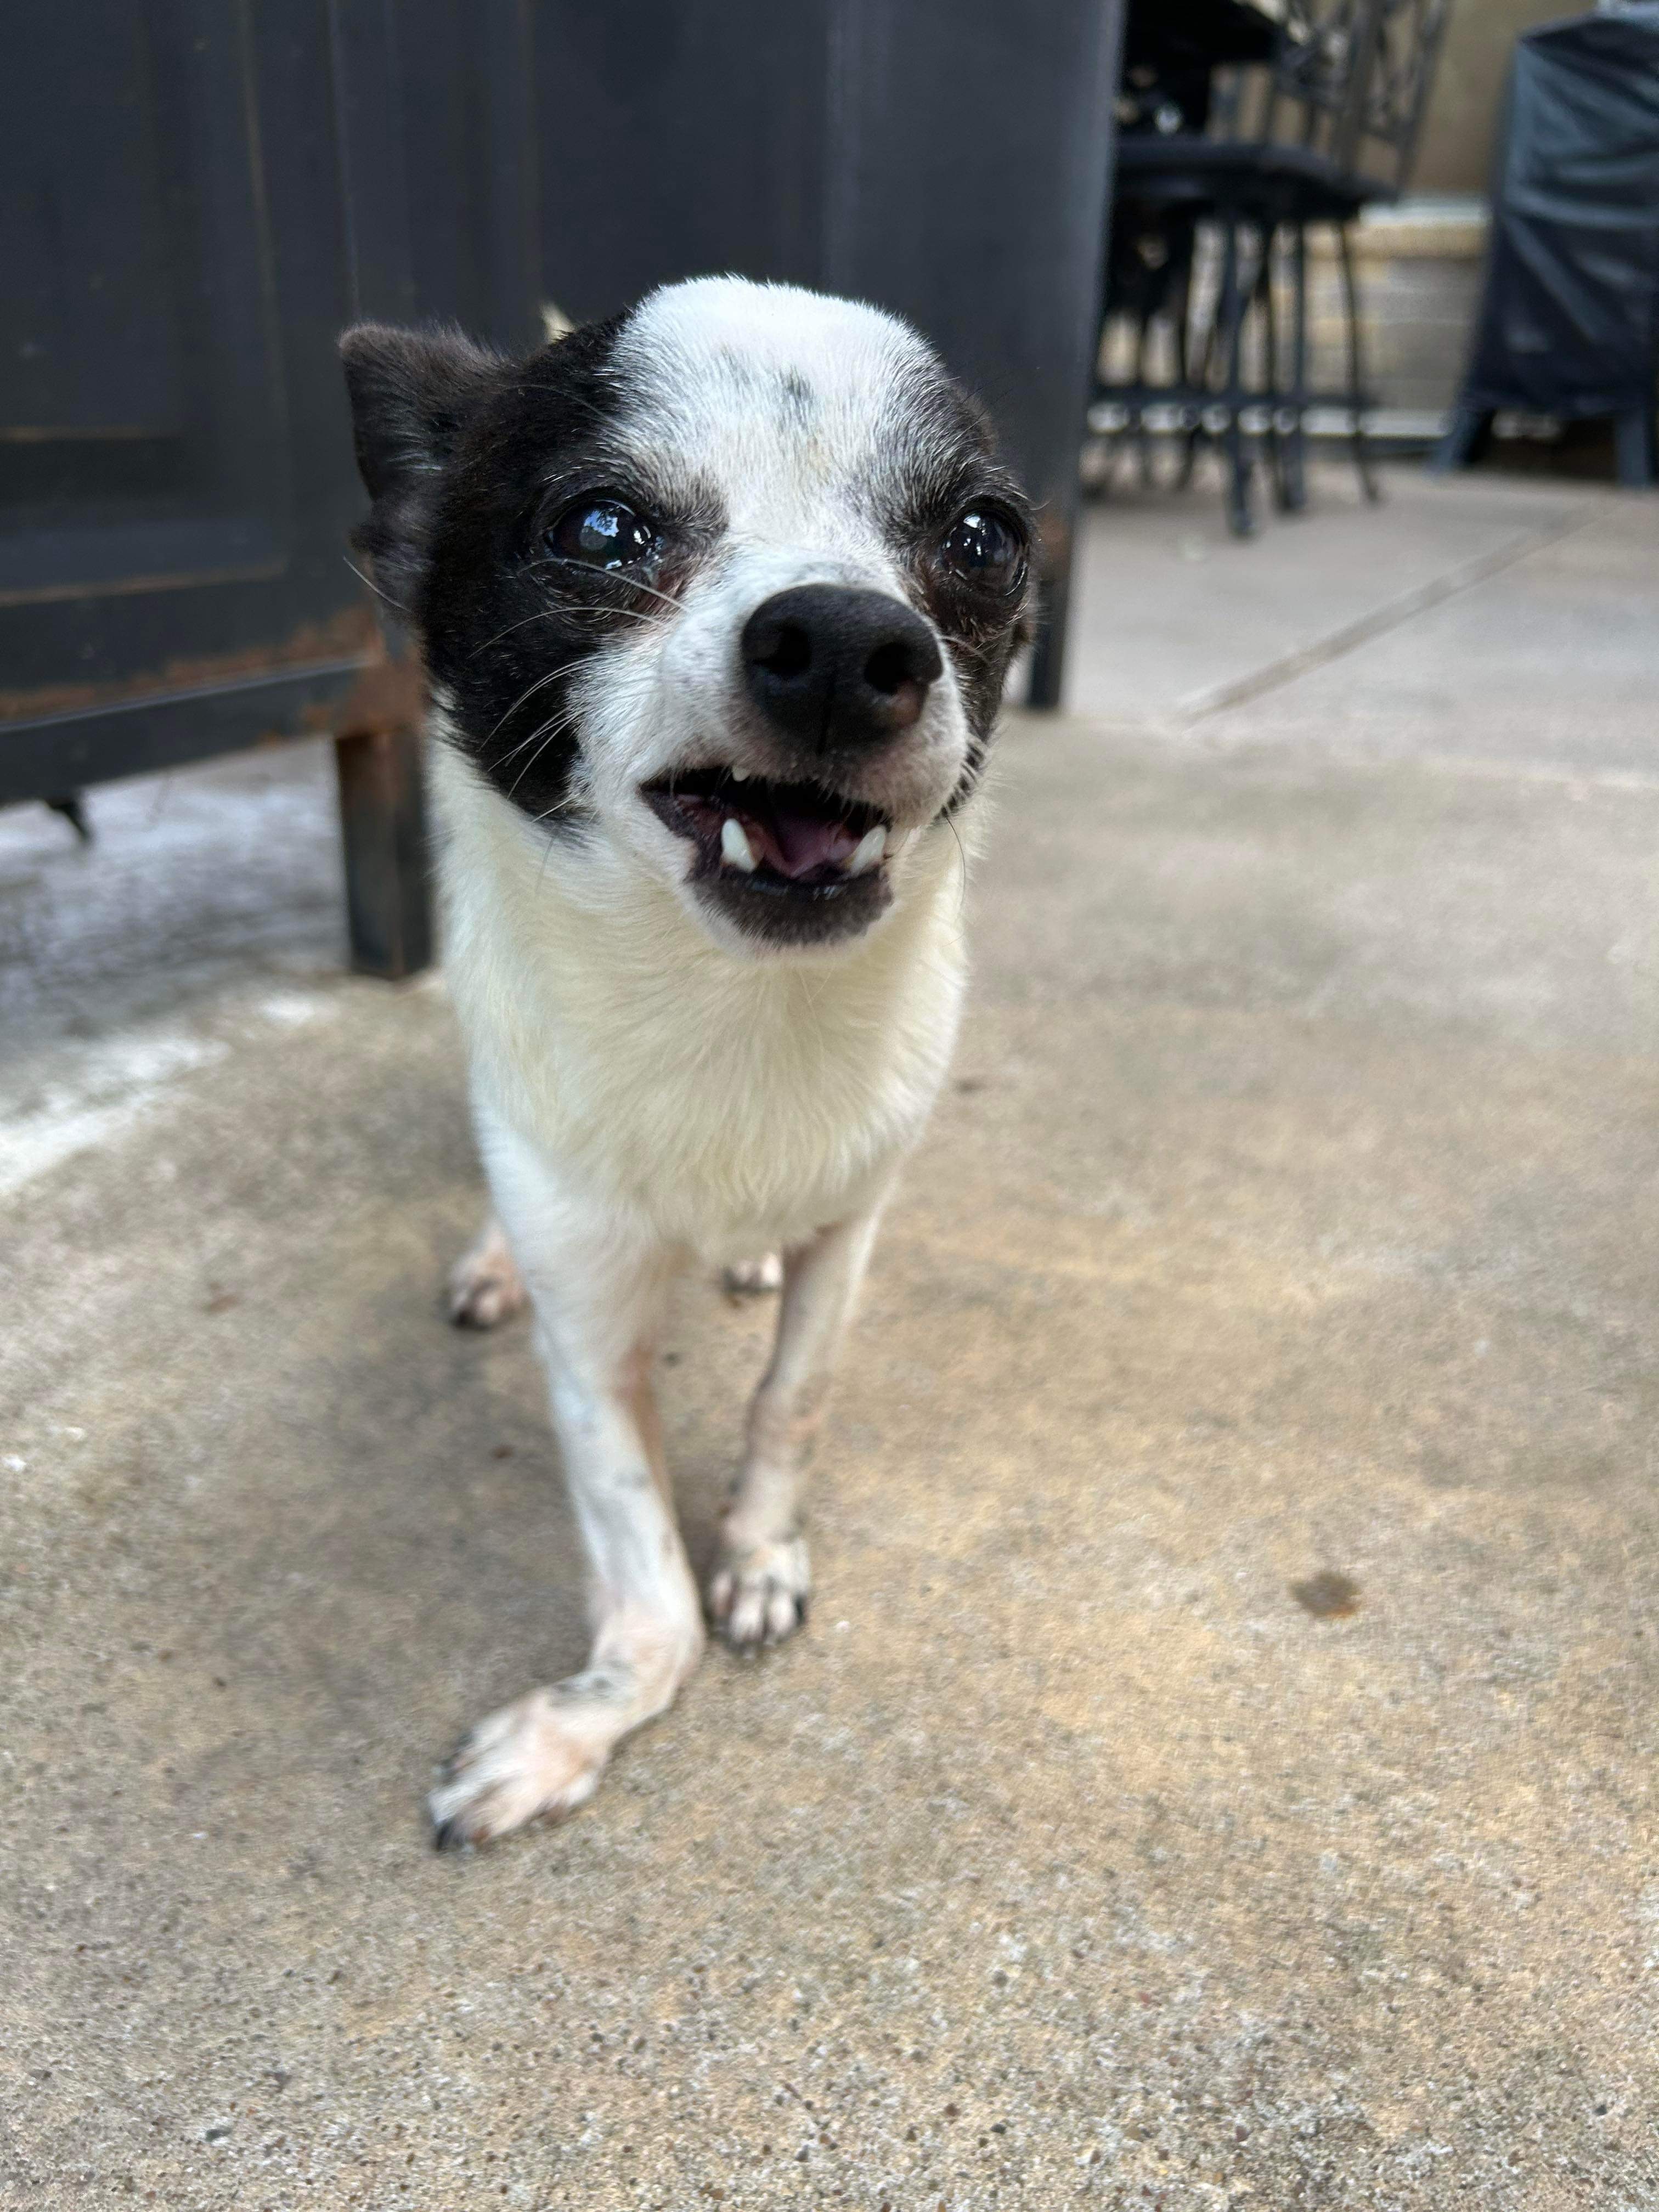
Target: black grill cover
<point x="1569" y="321"/>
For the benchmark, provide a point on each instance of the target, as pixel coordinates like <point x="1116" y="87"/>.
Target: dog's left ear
<point x="412" y="394"/>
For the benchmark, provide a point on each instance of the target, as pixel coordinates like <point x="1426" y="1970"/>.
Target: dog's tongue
<point x="789" y="832"/>
<point x="795" y="842"/>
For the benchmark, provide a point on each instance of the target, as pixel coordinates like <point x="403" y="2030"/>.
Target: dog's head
<point x="731" y="582"/>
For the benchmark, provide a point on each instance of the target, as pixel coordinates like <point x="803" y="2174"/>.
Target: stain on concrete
<point x="1326" y="1595"/>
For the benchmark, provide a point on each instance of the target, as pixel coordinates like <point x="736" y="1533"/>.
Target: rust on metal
<point x="351" y="631"/>
<point x="388" y="696"/>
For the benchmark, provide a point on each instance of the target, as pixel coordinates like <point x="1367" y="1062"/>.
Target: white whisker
<point x="540" y="684"/>
<point x="632" y="583"/>
<point x="548" y="733"/>
<point x="396" y="605"/>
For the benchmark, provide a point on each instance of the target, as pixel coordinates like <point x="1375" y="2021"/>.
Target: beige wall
<point x="1456" y="154"/>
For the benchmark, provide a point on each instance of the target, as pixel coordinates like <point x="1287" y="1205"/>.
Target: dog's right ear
<point x="412" y="394"/>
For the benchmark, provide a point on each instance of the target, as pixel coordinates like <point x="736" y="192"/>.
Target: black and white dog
<point x="717" y="600"/>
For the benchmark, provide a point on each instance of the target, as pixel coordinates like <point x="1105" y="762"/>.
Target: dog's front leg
<point x="759" y="1592"/>
<point x="597" y="1289"/>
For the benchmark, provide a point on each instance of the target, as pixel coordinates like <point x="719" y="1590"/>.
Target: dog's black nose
<point x="833" y="667"/>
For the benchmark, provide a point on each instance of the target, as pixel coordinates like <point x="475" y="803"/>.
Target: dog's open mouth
<point x="789" y="863"/>
<point x="785" y="838"/>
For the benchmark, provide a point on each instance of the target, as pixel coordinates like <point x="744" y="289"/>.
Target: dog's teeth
<point x="868" y="850"/>
<point x="735" y="846"/>
<point x="738" y="774"/>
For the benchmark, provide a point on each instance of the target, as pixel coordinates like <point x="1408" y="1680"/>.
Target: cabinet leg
<point x="1636" y="452"/>
<point x="1046" y="677"/>
<point x="383" y="824"/>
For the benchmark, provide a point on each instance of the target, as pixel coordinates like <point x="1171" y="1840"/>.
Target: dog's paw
<point x="759" y="1597"/>
<point x="535" y="1760"/>
<point x="753" y="1279"/>
<point x="485" y="1286"/>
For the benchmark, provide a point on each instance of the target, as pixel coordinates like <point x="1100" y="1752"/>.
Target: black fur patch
<point x="469" y="459"/>
<point x="412" y="393"/>
<point x="957" y="466"/>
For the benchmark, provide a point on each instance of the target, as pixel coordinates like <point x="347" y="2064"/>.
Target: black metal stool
<point x="1306" y="119"/>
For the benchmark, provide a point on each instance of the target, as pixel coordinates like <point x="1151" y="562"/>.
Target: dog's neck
<point x="604" y="1023"/>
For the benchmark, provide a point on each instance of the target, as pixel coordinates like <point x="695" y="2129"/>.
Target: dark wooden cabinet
<point x="171" y="502"/>
<point x="197" y="195"/>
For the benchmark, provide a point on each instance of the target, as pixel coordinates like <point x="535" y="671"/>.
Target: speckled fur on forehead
<point x="787" y="401"/>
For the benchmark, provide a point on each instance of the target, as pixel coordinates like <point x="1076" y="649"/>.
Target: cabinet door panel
<point x="146" y="507"/>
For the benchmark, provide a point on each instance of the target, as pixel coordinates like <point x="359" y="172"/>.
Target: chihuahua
<point x="716" y="600"/>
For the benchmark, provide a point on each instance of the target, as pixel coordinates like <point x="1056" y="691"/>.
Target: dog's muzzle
<point x="797" y="853"/>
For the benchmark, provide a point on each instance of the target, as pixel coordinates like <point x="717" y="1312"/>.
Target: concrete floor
<point x="1219" y="1770"/>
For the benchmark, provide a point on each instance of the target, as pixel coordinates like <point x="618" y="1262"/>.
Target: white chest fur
<point x="735" y="1104"/>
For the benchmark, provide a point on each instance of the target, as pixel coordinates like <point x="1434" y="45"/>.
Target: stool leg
<point x="1180" y="328"/>
<point x="1240" y="518"/>
<point x="1361" y="456"/>
<point x="1137" y="414"/>
<point x="1192" y="387"/>
<point x="1274" y="436"/>
<point x="1200" y="380"/>
<point x="1295" y="492"/>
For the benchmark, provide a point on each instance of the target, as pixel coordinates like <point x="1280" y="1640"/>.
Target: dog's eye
<point x="983" y="548"/>
<point x="602" y="533"/>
